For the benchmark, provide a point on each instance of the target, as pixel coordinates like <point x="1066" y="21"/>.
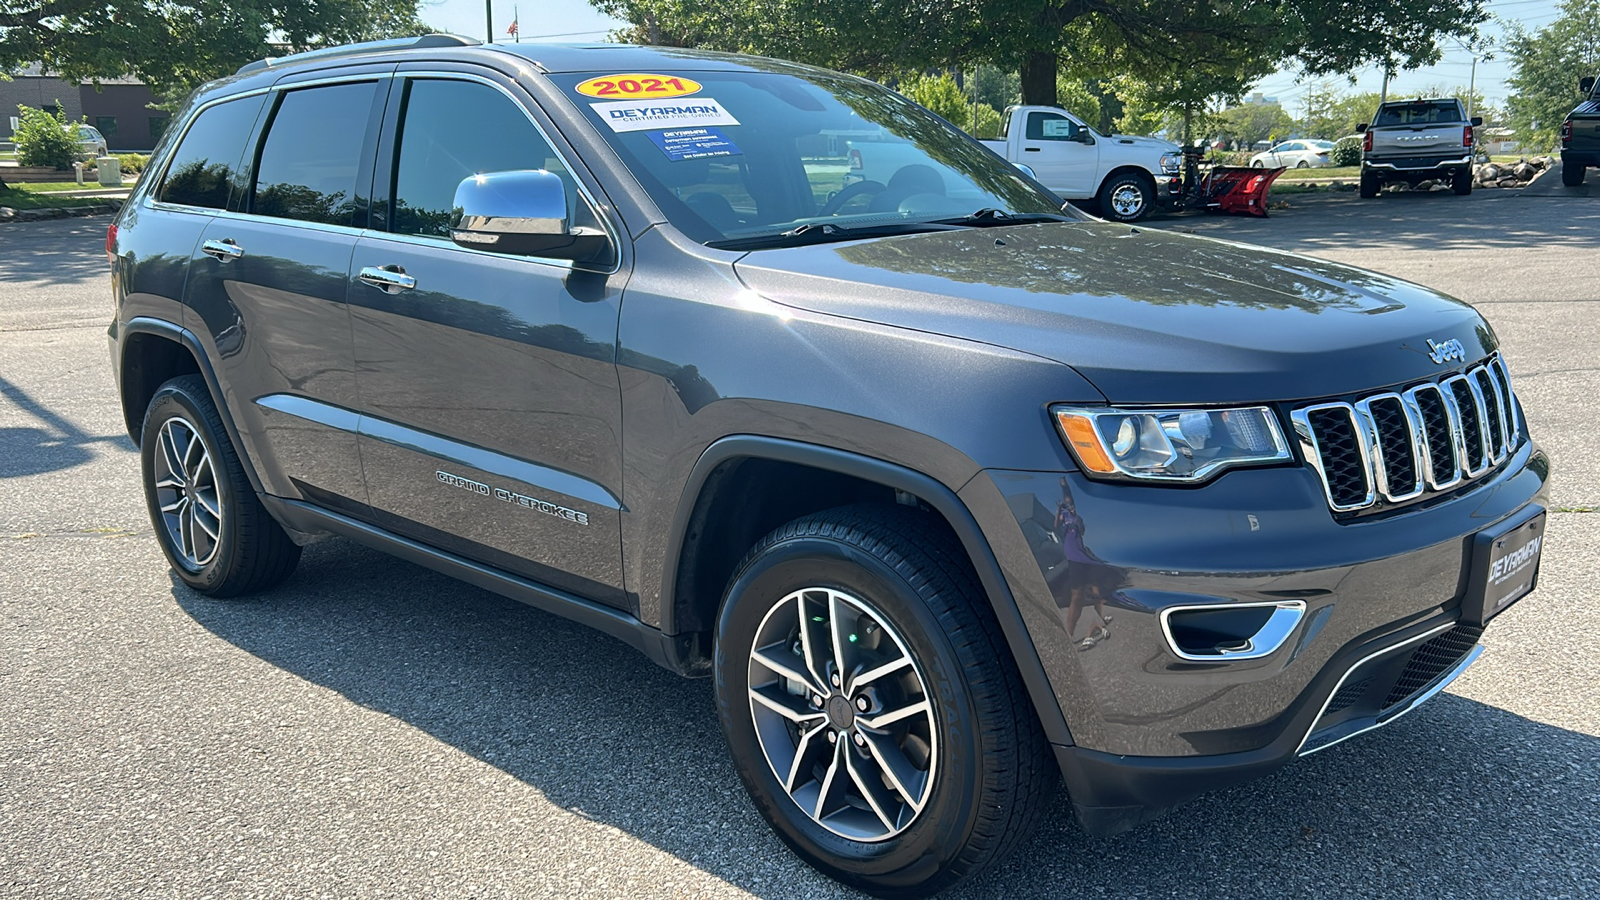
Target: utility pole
<point x="488" y="20"/>
<point x="1388" y="72"/>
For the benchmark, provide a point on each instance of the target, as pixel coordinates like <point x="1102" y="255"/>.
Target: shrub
<point x="1232" y="157"/>
<point x="1346" y="152"/>
<point x="940" y="94"/>
<point x="43" y="139"/>
<point x="988" y="124"/>
<point x="133" y="162"/>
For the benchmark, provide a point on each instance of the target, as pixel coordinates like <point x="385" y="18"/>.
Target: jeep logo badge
<point x="1446" y="351"/>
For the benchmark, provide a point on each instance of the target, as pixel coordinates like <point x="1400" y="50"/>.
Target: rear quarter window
<point x="203" y="166"/>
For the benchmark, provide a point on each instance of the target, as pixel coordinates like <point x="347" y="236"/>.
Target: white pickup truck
<point x="1128" y="176"/>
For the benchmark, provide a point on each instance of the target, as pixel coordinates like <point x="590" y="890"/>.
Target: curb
<point x="7" y="214"/>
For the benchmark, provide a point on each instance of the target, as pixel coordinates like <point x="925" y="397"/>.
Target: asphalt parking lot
<point x="371" y="729"/>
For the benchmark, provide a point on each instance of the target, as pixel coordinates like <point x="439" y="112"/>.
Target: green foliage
<point x="133" y="162"/>
<point x="1346" y="152"/>
<point x="1251" y="122"/>
<point x="174" y="45"/>
<point x="941" y="94"/>
<point x="1072" y="95"/>
<point x="987" y="126"/>
<point x="1331" y="114"/>
<point x="43" y="139"/>
<point x="1546" y="65"/>
<point x="996" y="87"/>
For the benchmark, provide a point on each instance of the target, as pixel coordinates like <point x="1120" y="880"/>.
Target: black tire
<point x="1302" y="164"/>
<point x="1117" y="200"/>
<point x="251" y="552"/>
<point x="1461" y="182"/>
<point x="992" y="772"/>
<point x="1369" y="186"/>
<point x="1258" y="164"/>
<point x="1571" y="174"/>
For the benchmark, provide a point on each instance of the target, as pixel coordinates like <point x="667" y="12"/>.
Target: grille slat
<point x="1397" y="447"/>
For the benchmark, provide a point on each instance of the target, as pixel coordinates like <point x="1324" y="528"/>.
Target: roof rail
<point x="405" y="43"/>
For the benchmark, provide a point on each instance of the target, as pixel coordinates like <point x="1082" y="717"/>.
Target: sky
<point x="576" y="20"/>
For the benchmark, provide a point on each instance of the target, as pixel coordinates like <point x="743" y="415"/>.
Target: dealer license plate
<point x="1508" y="569"/>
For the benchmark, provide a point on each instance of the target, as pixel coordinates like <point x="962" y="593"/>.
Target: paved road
<point x="372" y="729"/>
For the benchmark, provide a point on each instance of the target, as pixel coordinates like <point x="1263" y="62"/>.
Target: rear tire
<point x="1461" y="182"/>
<point x="217" y="536"/>
<point x="1127" y="197"/>
<point x="1369" y="186"/>
<point x="911" y="813"/>
<point x="1571" y="174"/>
<point x="1302" y="164"/>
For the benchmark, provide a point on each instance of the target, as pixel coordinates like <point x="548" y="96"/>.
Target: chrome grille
<point x="1397" y="447"/>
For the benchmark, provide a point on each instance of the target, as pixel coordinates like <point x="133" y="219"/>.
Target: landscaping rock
<point x="7" y="214"/>
<point x="1510" y="181"/>
<point x="1524" y="171"/>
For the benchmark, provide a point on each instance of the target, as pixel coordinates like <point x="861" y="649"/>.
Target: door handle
<point x="1030" y="149"/>
<point x="389" y="279"/>
<point x="225" y="249"/>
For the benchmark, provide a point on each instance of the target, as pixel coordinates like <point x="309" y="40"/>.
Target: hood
<point x="1148" y="142"/>
<point x="1147" y="316"/>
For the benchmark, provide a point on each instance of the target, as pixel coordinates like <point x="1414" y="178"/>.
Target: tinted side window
<point x="450" y="130"/>
<point x="204" y="165"/>
<point x="308" y="163"/>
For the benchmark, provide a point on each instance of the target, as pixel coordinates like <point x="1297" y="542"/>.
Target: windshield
<point x="1419" y="112"/>
<point x="733" y="156"/>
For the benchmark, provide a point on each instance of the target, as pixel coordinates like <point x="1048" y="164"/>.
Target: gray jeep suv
<point x="953" y="491"/>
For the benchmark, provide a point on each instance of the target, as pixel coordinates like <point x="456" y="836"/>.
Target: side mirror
<point x="1362" y="128"/>
<point x="1026" y="169"/>
<point x="1586" y="83"/>
<point x="522" y="212"/>
<point x="1085" y="137"/>
<point x="1476" y="121"/>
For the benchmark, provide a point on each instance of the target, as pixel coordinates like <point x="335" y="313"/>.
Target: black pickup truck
<point x="1580" y="134"/>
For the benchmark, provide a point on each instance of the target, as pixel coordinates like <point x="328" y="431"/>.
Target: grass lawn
<point x="38" y="196"/>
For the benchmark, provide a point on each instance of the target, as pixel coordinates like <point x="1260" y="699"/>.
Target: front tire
<point x="871" y="706"/>
<point x="1127" y="197"/>
<point x="217" y="536"/>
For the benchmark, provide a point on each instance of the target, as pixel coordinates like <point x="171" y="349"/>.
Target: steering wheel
<point x="850" y="192"/>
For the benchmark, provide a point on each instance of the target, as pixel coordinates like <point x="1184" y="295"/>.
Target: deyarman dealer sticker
<point x="641" y="115"/>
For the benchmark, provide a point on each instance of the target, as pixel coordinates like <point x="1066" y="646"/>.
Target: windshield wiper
<point x="990" y="215"/>
<point x="822" y="233"/>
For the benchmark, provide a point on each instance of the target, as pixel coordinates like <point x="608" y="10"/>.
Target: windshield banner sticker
<point x="644" y="115"/>
<point x="638" y="86"/>
<point x="694" y="143"/>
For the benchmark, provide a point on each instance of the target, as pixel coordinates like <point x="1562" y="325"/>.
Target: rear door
<point x="1053" y="147"/>
<point x="491" y="411"/>
<point x="267" y="289"/>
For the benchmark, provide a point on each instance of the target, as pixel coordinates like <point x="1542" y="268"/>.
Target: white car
<point x="91" y="140"/>
<point x="1294" y="155"/>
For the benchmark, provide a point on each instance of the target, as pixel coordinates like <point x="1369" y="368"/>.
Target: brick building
<point x="120" y="108"/>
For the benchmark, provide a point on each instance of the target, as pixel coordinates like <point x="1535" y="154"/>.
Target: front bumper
<point x="1151" y="729"/>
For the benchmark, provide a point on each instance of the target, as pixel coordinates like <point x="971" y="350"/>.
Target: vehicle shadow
<point x="58" y="445"/>
<point x="598" y="729"/>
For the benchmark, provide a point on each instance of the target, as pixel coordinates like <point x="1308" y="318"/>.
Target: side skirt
<point x="669" y="652"/>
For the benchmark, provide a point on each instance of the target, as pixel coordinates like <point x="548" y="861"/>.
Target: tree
<point x="1034" y="37"/>
<point x="1546" y="65"/>
<point x="941" y="94"/>
<point x="1251" y="122"/>
<point x="174" y="45"/>
<point x="43" y="138"/>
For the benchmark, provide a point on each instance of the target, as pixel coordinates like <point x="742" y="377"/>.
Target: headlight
<point x="1171" y="162"/>
<point x="1175" y="445"/>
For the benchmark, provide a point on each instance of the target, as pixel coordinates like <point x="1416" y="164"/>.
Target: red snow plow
<point x="1238" y="190"/>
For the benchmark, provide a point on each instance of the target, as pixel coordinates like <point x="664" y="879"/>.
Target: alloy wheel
<point x="843" y="714"/>
<point x="186" y="491"/>
<point x="1127" y="200"/>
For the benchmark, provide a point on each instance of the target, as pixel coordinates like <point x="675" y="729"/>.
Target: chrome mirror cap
<point x="522" y="212"/>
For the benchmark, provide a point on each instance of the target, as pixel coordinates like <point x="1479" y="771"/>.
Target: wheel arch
<point x="1126" y="169"/>
<point x="154" y="351"/>
<point x="701" y="548"/>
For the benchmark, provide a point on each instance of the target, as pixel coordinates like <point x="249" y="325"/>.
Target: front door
<point x="491" y="412"/>
<point x="1062" y="154"/>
